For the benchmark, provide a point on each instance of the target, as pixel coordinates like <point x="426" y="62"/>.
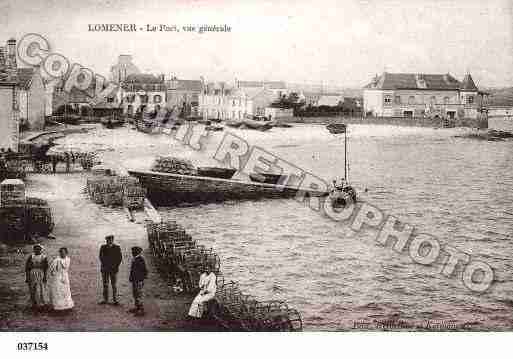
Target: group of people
<point x="110" y="259"/>
<point x="43" y="276"/>
<point x="51" y="280"/>
<point x="40" y="275"/>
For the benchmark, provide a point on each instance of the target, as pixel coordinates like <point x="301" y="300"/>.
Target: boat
<point x="342" y="195"/>
<point x="169" y="188"/>
<point x="250" y="124"/>
<point x="216" y="172"/>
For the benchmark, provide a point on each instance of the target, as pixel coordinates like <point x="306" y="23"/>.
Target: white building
<point x="220" y="101"/>
<point x="422" y="95"/>
<point x="142" y="92"/>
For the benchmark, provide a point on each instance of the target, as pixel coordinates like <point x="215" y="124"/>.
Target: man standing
<point x="138" y="274"/>
<point x="110" y="259"/>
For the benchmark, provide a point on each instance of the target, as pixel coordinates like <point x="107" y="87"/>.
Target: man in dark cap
<point x="138" y="274"/>
<point x="110" y="259"/>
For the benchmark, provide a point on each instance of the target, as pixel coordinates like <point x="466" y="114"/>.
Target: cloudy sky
<point x="333" y="42"/>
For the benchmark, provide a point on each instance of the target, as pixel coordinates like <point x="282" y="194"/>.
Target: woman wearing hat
<point x="36" y="269"/>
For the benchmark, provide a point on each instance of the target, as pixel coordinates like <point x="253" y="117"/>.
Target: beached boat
<point x="168" y="188"/>
<point x="250" y="124"/>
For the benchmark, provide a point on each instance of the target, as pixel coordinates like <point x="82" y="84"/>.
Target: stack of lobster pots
<point x="241" y="312"/>
<point x="179" y="256"/>
<point x="21" y="216"/>
<point x="113" y="191"/>
<point x="174" y="165"/>
<point x="182" y="261"/>
<point x="12" y="192"/>
<point x="14" y="168"/>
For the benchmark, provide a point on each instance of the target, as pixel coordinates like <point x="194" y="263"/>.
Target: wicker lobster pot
<point x="21" y="221"/>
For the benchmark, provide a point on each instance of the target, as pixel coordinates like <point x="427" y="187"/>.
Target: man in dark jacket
<point x="110" y="259"/>
<point x="138" y="274"/>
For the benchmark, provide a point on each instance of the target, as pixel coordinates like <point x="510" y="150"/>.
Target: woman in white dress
<point x="208" y="287"/>
<point x="60" y="292"/>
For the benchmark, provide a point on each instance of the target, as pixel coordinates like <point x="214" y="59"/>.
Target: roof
<point x="468" y="83"/>
<point x="143" y="78"/>
<point x="397" y="81"/>
<point x="269" y="84"/>
<point x="24" y="76"/>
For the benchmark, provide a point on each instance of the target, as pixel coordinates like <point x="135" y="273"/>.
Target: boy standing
<point x="138" y="274"/>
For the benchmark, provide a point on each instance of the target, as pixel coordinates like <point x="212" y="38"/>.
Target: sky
<point x="327" y="42"/>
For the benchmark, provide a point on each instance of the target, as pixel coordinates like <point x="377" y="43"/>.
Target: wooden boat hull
<point x="168" y="188"/>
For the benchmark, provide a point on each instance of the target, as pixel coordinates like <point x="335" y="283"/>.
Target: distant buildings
<point x="184" y="93"/>
<point x="142" y="92"/>
<point x="246" y="98"/>
<point x="421" y="95"/>
<point x="122" y="69"/>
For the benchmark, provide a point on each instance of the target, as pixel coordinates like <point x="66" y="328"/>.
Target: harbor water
<point x="457" y="189"/>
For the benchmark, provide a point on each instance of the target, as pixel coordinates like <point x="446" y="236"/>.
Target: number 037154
<point x="32" y="346"/>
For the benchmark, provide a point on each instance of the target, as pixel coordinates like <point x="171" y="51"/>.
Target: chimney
<point x="11" y="55"/>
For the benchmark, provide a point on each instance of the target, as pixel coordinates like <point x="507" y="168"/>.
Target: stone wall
<point x="395" y="121"/>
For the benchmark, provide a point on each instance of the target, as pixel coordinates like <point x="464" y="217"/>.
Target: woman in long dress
<point x="36" y="269"/>
<point x="208" y="287"/>
<point x="60" y="292"/>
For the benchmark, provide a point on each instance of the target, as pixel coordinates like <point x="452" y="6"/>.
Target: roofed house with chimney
<point x="422" y="95"/>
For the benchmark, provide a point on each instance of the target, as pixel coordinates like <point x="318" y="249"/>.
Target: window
<point x="411" y="100"/>
<point x="398" y="100"/>
<point x="157" y="99"/>
<point x="470" y="99"/>
<point x="233" y="103"/>
<point x="387" y="99"/>
<point x="144" y="98"/>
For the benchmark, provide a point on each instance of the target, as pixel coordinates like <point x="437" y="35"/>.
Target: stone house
<point x="422" y="95"/>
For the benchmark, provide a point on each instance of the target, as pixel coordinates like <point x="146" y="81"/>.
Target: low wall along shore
<point x="395" y="121"/>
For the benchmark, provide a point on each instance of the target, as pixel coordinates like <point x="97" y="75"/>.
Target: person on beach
<point x="138" y="273"/>
<point x="110" y="259"/>
<point x="68" y="161"/>
<point x="208" y="287"/>
<point x="54" y="159"/>
<point x="36" y="269"/>
<point x="60" y="291"/>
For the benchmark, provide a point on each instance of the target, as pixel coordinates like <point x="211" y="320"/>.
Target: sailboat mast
<point x="345" y="155"/>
